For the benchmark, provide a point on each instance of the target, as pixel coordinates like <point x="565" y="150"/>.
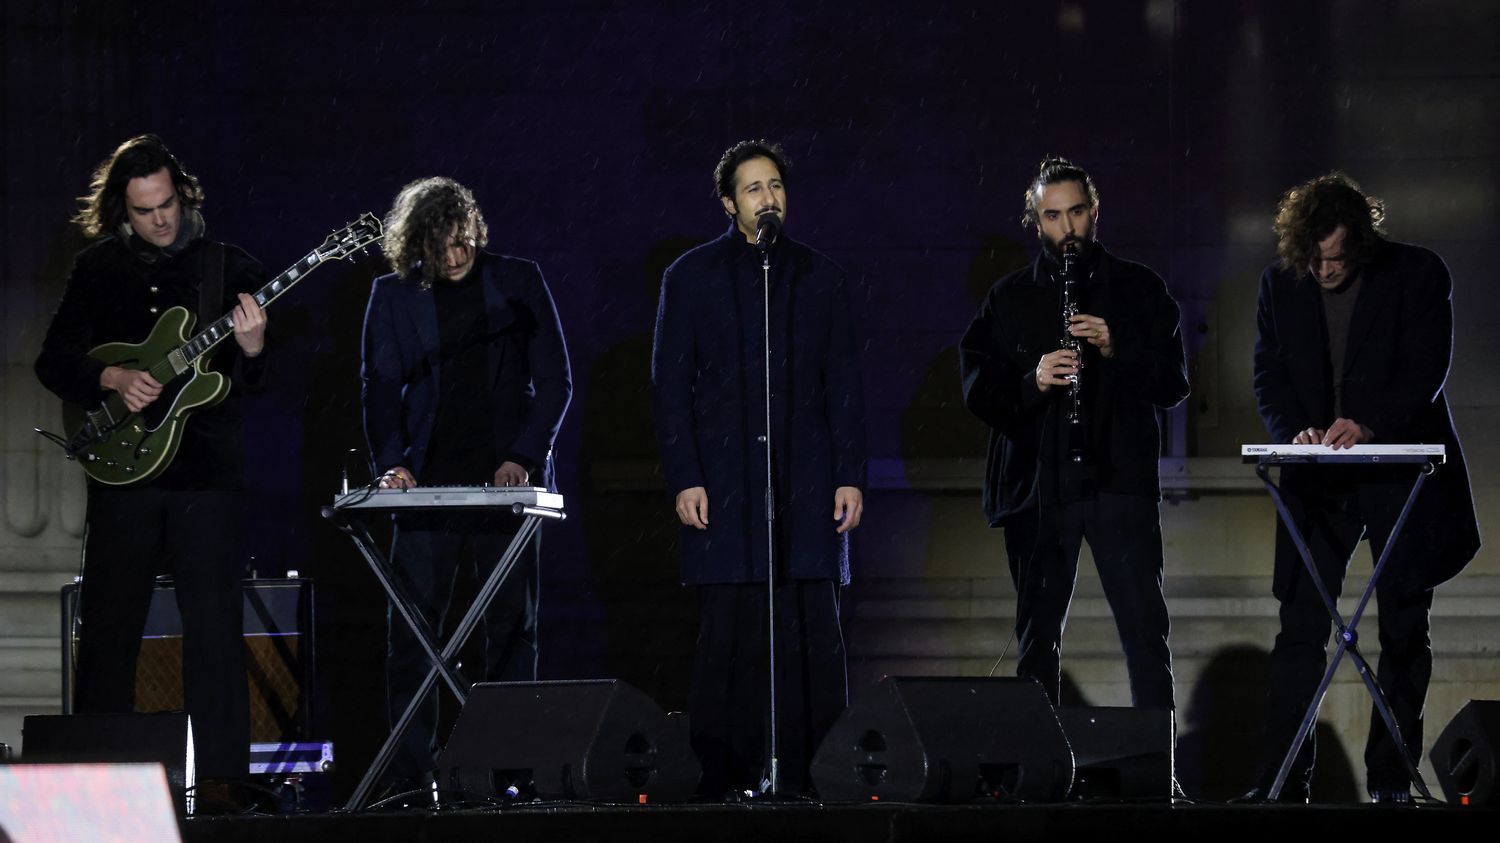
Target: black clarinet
<point x="1077" y="430"/>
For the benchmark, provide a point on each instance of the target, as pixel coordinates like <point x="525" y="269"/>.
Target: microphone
<point x="767" y="226"/>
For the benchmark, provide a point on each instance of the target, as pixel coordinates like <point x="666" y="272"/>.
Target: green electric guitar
<point x="117" y="447"/>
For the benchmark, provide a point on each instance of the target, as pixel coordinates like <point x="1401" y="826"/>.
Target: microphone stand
<point x="771" y="785"/>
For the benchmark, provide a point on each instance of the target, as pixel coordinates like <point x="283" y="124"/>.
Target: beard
<point x="1085" y="243"/>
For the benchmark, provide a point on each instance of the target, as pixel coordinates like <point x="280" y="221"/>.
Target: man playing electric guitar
<point x="150" y="254"/>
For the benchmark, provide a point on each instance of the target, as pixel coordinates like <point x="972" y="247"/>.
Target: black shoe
<point x="1290" y="795"/>
<point x="1390" y="797"/>
<point x="408" y="792"/>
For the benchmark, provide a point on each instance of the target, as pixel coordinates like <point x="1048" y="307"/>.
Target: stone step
<point x="30" y="667"/>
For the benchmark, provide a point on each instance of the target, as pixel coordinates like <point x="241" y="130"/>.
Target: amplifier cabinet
<point x="279" y="658"/>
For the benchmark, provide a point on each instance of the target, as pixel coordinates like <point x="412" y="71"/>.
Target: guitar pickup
<point x="177" y="361"/>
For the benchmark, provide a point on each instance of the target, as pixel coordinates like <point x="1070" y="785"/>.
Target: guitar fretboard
<point x="223" y="327"/>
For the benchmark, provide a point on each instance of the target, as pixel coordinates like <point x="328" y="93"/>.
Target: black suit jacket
<point x="531" y="383"/>
<point x="1396" y="363"/>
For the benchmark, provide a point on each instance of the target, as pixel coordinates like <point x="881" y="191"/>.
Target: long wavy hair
<point x="420" y="221"/>
<point x="102" y="210"/>
<point x="1309" y="212"/>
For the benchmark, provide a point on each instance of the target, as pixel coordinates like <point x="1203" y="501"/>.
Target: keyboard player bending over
<point x="1355" y="338"/>
<point x="465" y="382"/>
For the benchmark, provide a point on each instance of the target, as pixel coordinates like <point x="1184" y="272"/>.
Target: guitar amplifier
<point x="278" y="634"/>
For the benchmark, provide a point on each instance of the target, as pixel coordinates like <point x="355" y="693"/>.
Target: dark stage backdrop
<point x="588" y="131"/>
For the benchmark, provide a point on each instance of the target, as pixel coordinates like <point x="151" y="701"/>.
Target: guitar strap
<point x="211" y="288"/>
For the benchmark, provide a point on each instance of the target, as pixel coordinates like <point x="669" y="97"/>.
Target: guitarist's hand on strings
<point x="249" y="326"/>
<point x="397" y="478"/>
<point x="137" y="388"/>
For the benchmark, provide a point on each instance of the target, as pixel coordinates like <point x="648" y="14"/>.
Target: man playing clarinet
<point x="1070" y="361"/>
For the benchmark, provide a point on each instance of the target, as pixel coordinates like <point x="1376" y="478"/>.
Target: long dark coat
<point x="707" y="375"/>
<point x="1400" y="347"/>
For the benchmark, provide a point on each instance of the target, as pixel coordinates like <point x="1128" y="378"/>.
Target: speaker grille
<point x="278" y="657"/>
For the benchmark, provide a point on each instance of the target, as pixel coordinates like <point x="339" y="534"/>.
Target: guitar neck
<point x="220" y="329"/>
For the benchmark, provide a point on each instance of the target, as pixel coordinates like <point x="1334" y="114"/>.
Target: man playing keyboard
<point x="1355" y="337"/>
<point x="466" y="380"/>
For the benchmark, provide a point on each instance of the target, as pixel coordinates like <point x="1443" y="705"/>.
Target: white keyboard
<point x="1394" y="453"/>
<point x="444" y="497"/>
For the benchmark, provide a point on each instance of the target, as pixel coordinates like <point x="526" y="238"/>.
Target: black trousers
<point x="1124" y="533"/>
<point x="730" y="697"/>
<point x="1332" y="524"/>
<point x="134" y="533"/>
<point x="427" y="553"/>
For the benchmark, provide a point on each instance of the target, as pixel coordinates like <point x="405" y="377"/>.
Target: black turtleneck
<point x="463" y="448"/>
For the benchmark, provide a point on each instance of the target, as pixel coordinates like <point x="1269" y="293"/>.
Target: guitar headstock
<point x="351" y="238"/>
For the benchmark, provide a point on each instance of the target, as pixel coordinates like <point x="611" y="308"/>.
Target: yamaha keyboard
<point x="531" y="505"/>
<point x="446" y="497"/>
<point x="1424" y="460"/>
<point x="1322" y="454"/>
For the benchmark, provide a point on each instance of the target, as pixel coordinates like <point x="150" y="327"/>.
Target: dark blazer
<point x="531" y="383"/>
<point x="1400" y="347"/>
<point x="707" y="374"/>
<point x="1021" y="320"/>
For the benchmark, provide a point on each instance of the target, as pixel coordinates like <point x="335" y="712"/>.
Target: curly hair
<point x="1052" y="170"/>
<point x="420" y="222"/>
<point x="738" y="154"/>
<point x="102" y="210"/>
<point x="1311" y="211"/>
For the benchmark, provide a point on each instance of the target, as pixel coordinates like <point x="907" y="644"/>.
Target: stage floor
<point x="865" y="823"/>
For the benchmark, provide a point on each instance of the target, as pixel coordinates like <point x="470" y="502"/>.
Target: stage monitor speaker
<point x="93" y="802"/>
<point x="1467" y="753"/>
<point x="1121" y="753"/>
<point x="593" y="739"/>
<point x="278" y="656"/>
<point x="165" y="739"/>
<point x="945" y="740"/>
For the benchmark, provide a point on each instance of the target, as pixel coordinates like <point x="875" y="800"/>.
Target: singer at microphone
<point x="708" y="389"/>
<point x="1122" y="344"/>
